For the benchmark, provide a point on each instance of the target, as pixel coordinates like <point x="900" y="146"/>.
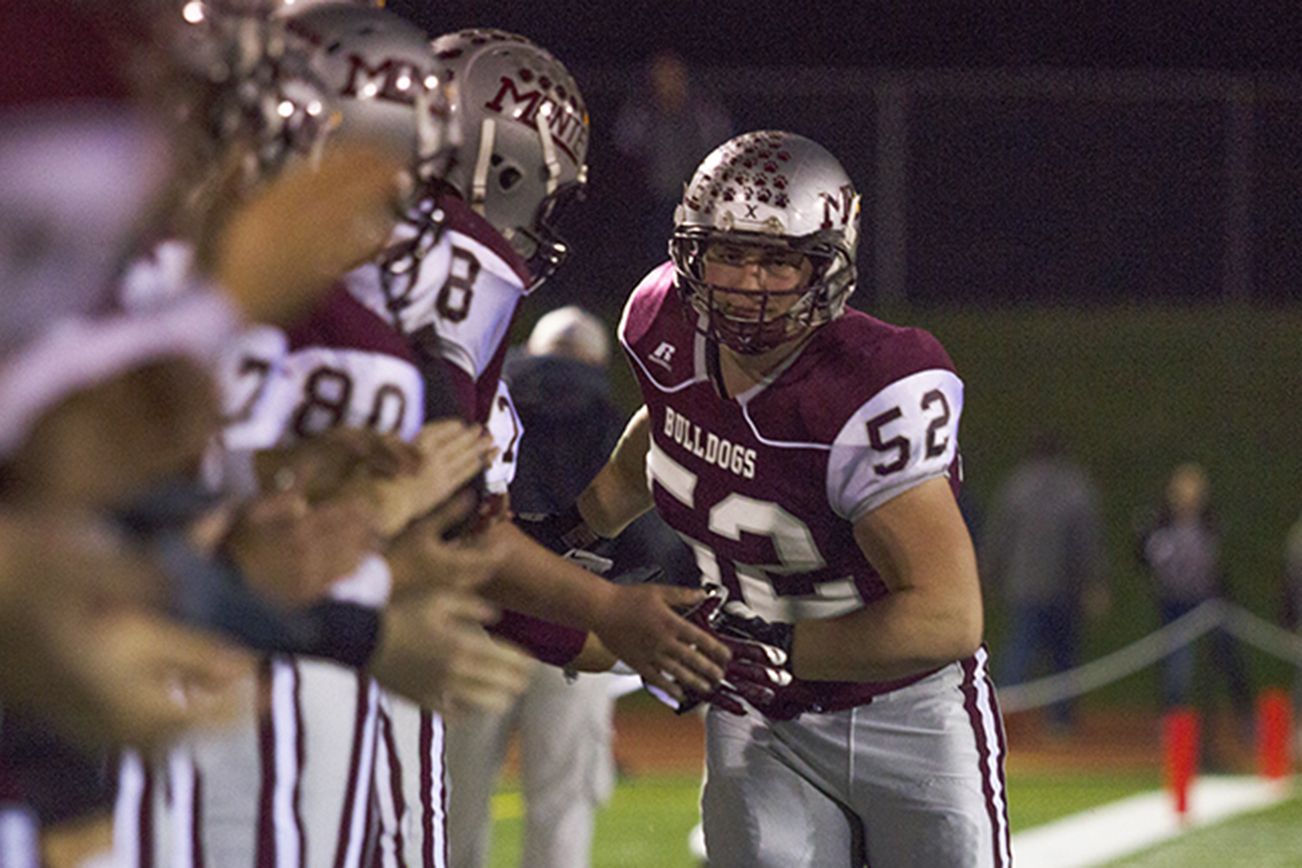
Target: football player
<point x="808" y="454"/>
<point x="452" y="293"/>
<point x="99" y="407"/>
<point x="298" y="787"/>
<point x="523" y="132"/>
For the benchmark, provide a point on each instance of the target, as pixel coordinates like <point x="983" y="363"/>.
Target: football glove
<point x="760" y="669"/>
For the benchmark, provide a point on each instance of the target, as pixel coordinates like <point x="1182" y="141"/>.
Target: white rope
<point x="1138" y="655"/>
<point x="1263" y="635"/>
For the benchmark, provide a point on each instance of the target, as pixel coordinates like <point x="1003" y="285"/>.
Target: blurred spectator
<point x="664" y="132"/>
<point x="562" y="393"/>
<point x="1042" y="548"/>
<point x="1182" y="550"/>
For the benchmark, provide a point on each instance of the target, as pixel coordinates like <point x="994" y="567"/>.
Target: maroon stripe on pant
<point x="266" y="856"/>
<point x="146" y="824"/>
<point x="974" y="715"/>
<point x="196" y="821"/>
<point x="370" y="825"/>
<point x="443" y="797"/>
<point x="395" y="786"/>
<point x="298" y="761"/>
<point x="427" y="789"/>
<point x="354" y="770"/>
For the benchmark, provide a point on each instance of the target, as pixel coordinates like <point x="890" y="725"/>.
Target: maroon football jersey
<point x="460" y="304"/>
<point x="766" y="487"/>
<point x="458" y="309"/>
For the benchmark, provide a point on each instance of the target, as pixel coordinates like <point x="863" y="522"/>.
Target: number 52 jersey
<point x="765" y="488"/>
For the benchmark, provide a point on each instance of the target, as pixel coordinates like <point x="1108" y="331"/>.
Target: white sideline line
<point x="1126" y="826"/>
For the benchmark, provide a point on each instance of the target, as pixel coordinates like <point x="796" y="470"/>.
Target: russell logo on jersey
<point x="664" y="355"/>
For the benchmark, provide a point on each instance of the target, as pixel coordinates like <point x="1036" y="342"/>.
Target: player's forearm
<point x="619" y="494"/>
<point x="536" y="582"/>
<point x="903" y="634"/>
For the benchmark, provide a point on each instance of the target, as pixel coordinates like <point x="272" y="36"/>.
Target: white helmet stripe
<point x="479" y="184"/>
<point x="428" y="134"/>
<point x="550" y="159"/>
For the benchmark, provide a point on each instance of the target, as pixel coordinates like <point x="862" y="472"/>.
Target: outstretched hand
<point x="291" y="551"/>
<point x="760" y="669"/>
<point x="320" y="466"/>
<point x="421" y="558"/>
<point x="642" y="626"/>
<point x="86" y="648"/>
<point x="451" y="453"/>
<point x="434" y="651"/>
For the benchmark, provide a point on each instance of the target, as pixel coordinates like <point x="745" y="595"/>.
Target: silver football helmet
<point x="239" y="77"/>
<point x="784" y="195"/>
<point x="524" y="129"/>
<point x="380" y="72"/>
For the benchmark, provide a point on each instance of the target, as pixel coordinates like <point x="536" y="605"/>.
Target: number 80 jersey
<point x="766" y="487"/>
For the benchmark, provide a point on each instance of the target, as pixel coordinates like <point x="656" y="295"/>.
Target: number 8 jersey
<point x="765" y="488"/>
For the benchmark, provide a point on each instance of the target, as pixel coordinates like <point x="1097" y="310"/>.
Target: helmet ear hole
<point x="509" y="177"/>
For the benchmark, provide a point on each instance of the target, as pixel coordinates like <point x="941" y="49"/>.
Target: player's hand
<point x="421" y="559"/>
<point x="106" y="444"/>
<point x="139" y="679"/>
<point x="641" y="627"/>
<point x="280" y="251"/>
<point x="291" y="551"/>
<point x="433" y="649"/>
<point x="84" y="648"/>
<point x="320" y="466"/>
<point x="451" y="454"/>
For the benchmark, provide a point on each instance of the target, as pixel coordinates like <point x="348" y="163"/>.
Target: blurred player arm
<point x="639" y="624"/>
<point x="433" y="650"/>
<point x="86" y="646"/>
<point x="918" y="543"/>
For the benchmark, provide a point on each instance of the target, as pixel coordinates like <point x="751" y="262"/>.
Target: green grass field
<point x="646" y="823"/>
<point x="1271" y="838"/>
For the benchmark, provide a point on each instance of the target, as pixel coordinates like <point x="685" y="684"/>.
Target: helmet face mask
<point x="550" y="249"/>
<point x="524" y="139"/>
<point x="239" y="80"/>
<point x="795" y="286"/>
<point x="765" y="201"/>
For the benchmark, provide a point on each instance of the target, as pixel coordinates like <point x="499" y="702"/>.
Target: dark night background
<point x="924" y="33"/>
<point x="1055" y="152"/>
<point x="1097" y="210"/>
